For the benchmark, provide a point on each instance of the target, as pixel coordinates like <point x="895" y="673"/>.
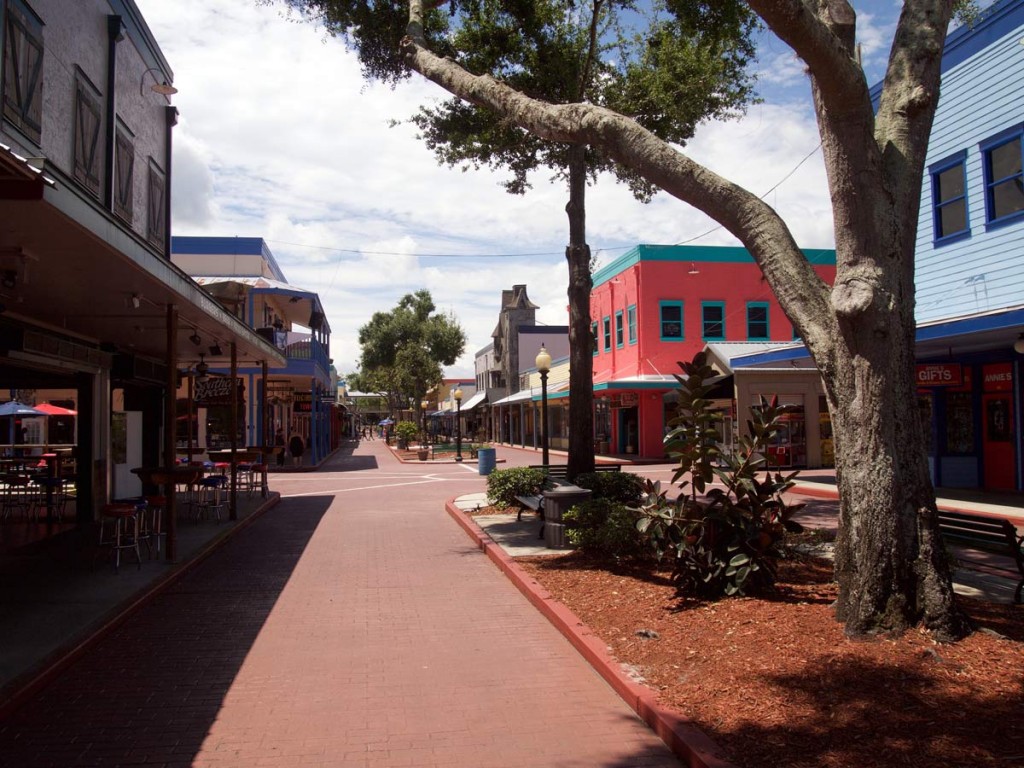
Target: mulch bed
<point x="776" y="682"/>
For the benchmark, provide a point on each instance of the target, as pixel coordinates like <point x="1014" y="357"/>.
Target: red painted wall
<point x="648" y="283"/>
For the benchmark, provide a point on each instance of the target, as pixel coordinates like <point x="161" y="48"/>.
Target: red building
<point x="657" y="305"/>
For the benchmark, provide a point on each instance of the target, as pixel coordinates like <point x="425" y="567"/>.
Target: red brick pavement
<point x="352" y="625"/>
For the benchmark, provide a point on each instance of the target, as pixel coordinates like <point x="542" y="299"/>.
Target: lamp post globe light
<point x="543" y="362"/>
<point x="458" y="423"/>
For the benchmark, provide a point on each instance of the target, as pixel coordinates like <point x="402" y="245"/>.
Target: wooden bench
<point x="986" y="534"/>
<point x="556" y="473"/>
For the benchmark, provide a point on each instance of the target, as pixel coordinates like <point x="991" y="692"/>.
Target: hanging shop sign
<point x="302" y="402"/>
<point x="939" y="375"/>
<point x="624" y="400"/>
<point x="216" y="390"/>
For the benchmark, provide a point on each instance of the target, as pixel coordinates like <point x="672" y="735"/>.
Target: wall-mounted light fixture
<point x="158" y="86"/>
<point x="215" y="350"/>
<point x="9" y="278"/>
<point x="202" y="368"/>
<point x="195" y="338"/>
<point x="693" y="269"/>
<point x="1018" y="345"/>
<point x="136" y="300"/>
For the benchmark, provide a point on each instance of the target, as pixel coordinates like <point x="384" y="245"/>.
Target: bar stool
<point x="210" y="500"/>
<point x="121" y="521"/>
<point x="150" y="525"/>
<point x="258" y="474"/>
<point x="243" y="471"/>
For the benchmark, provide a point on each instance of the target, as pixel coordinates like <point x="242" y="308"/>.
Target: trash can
<point x="486" y="458"/>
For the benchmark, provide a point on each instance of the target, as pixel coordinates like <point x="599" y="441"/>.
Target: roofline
<point x="703" y="254"/>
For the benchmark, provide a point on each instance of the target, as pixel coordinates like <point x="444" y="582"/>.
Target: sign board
<point x="939" y="375"/>
<point x="624" y="400"/>
<point x="997" y="377"/>
<point x="216" y="390"/>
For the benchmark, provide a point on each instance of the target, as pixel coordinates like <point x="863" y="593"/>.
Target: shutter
<point x="125" y="175"/>
<point x="155" y="219"/>
<point x="23" y="74"/>
<point x="87" y="138"/>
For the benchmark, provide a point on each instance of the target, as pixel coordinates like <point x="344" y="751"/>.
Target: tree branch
<point x="800" y="291"/>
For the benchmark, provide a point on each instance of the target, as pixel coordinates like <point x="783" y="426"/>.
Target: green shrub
<point x="726" y="541"/>
<point x="623" y="487"/>
<point x="605" y="528"/>
<point x="406" y="431"/>
<point x="503" y="485"/>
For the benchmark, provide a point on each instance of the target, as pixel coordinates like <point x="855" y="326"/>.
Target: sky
<point x="280" y="137"/>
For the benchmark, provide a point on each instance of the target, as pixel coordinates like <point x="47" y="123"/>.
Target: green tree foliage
<point x="404" y="349"/>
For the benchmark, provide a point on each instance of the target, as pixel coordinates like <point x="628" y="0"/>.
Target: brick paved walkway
<point x="352" y="625"/>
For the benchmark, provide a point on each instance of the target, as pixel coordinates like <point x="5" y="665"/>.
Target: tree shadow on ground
<point x="880" y="714"/>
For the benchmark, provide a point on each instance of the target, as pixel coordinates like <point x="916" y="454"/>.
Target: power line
<point x="358" y="251"/>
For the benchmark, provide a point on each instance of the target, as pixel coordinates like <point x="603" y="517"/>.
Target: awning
<point x="475" y="400"/>
<point x="519" y="397"/>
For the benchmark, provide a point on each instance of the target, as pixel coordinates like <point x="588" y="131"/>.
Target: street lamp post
<point x="543" y="363"/>
<point x="423" y="410"/>
<point x="458" y="424"/>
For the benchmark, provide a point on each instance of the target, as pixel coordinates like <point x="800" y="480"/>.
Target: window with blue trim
<point x="593" y="338"/>
<point x="949" y="197"/>
<point x="631" y="322"/>
<point x="712" y="315"/>
<point x="671" y="316"/>
<point x="757" y="321"/>
<point x="607" y="334"/>
<point x="619" y="330"/>
<point x="1004" y="177"/>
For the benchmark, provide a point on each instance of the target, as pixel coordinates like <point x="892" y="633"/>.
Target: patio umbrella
<point x="385" y="422"/>
<point x="13" y="408"/>
<point x="49" y="409"/>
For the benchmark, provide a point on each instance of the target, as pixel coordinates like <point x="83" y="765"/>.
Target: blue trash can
<point x="486" y="458"/>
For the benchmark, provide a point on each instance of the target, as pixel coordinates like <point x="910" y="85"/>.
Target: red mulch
<point x="777" y="684"/>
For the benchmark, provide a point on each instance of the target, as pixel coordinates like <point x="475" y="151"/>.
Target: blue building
<point x="969" y="262"/>
<point x="970" y="258"/>
<point x="243" y="275"/>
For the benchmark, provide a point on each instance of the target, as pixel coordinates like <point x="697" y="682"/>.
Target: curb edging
<point x="684" y="739"/>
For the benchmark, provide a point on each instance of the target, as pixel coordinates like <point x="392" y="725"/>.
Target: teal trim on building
<point x="698" y="254"/>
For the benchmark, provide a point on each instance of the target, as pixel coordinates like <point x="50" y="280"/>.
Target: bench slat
<point x="986" y="534"/>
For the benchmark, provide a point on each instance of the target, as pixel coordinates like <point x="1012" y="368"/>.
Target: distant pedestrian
<point x="296" y="447"/>
<point x="279" y="446"/>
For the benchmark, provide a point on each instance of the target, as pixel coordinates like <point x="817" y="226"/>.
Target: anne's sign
<point x="216" y="390"/>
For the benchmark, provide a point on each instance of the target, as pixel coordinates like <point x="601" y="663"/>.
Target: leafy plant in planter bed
<point x="726" y="541"/>
<point x="503" y="485"/>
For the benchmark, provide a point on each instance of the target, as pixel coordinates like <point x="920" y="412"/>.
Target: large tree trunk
<point x="581" y="358"/>
<point x="890" y="563"/>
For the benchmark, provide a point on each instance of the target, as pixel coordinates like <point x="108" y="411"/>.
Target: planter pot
<point x="422" y="454"/>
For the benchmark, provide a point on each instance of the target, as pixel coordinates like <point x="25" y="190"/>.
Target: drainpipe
<point x="115" y="34"/>
<point x="171" y="121"/>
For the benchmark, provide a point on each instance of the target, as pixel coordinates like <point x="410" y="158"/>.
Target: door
<point x="126" y="453"/>
<point x="998" y="452"/>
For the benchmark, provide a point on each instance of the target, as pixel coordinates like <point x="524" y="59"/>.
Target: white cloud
<point x="281" y="138"/>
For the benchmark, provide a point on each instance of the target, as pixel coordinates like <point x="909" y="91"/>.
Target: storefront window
<point x="959" y="423"/>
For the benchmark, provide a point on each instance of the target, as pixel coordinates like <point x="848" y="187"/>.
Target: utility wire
<point x="358" y="251"/>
